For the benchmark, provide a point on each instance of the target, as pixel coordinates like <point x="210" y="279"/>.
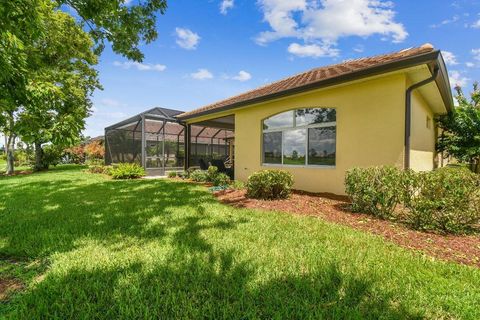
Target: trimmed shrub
<point x="270" y="184"/>
<point x="221" y="179"/>
<point x="199" y="176"/>
<point x="446" y="200"/>
<point x="127" y="171"/>
<point x="172" y="174"/>
<point x="374" y="190"/>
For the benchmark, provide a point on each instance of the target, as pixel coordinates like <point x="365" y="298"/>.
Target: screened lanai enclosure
<point x="158" y="141"/>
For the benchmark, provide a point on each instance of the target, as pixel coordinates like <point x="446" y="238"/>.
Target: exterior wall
<point x="422" y="143"/>
<point x="370" y="130"/>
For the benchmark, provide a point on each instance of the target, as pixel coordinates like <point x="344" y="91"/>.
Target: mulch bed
<point x="334" y="208"/>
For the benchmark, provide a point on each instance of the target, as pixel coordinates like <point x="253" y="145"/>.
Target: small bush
<point x="238" y="185"/>
<point x="183" y="174"/>
<point x="172" y="174"/>
<point x="199" y="176"/>
<point x="94" y="150"/>
<point x="270" y="184"/>
<point x="374" y="190"/>
<point x="221" y="179"/>
<point x="52" y="155"/>
<point x="212" y="172"/>
<point x="127" y="171"/>
<point x="75" y="154"/>
<point x="446" y="200"/>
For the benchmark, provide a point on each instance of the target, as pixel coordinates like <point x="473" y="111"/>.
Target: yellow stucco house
<point x="318" y="124"/>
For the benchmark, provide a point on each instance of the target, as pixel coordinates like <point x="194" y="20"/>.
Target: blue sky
<point x="208" y="50"/>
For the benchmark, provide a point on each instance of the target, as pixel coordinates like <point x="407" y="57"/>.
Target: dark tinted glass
<point x="272" y="147"/>
<point x="321" y="146"/>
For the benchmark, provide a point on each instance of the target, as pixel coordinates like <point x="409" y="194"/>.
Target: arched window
<point x="301" y="137"/>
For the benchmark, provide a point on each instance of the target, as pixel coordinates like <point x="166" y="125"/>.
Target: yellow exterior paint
<point x="422" y="143"/>
<point x="370" y="131"/>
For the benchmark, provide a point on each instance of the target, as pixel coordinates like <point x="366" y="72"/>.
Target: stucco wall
<point x="422" y="148"/>
<point x="370" y="129"/>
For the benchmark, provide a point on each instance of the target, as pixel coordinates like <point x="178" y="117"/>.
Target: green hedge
<point x="270" y="184"/>
<point x="445" y="200"/>
<point x="374" y="190"/>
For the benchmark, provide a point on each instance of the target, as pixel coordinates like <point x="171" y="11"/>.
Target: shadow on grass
<point x="202" y="287"/>
<point x="43" y="217"/>
<point x="196" y="279"/>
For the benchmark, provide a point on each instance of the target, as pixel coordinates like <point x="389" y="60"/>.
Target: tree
<point x="23" y="24"/>
<point x="460" y="136"/>
<point x="60" y="84"/>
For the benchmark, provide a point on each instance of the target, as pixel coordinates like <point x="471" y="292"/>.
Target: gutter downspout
<point x="408" y="113"/>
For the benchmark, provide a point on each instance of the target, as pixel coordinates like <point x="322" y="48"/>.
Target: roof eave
<point x="426" y="58"/>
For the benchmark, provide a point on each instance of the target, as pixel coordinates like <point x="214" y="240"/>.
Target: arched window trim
<point x="284" y="129"/>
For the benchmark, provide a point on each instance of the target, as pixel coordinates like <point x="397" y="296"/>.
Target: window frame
<point x="304" y="127"/>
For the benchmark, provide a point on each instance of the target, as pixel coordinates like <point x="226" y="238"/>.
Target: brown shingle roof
<point x="314" y="76"/>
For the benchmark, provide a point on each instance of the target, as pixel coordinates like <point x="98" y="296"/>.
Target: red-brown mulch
<point x="334" y="208"/>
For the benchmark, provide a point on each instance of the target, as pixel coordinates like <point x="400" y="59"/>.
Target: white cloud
<point x="202" y="74"/>
<point x="312" y="50"/>
<point x="226" y="5"/>
<point x="450" y="58"/>
<point x="140" y="66"/>
<point x="187" y="39"/>
<point x="242" y="76"/>
<point x="454" y="19"/>
<point x="324" y="22"/>
<point x="476" y="54"/>
<point x="470" y="64"/>
<point x="457" y="79"/>
<point x="476" y="24"/>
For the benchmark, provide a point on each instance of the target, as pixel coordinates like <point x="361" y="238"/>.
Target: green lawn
<point x="88" y="247"/>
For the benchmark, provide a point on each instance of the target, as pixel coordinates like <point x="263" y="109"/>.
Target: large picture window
<point x="301" y="137"/>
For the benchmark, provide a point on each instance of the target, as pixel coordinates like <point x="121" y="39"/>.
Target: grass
<point x="89" y="247"/>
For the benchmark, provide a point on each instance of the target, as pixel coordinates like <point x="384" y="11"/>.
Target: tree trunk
<point x="38" y="157"/>
<point x="9" y="145"/>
